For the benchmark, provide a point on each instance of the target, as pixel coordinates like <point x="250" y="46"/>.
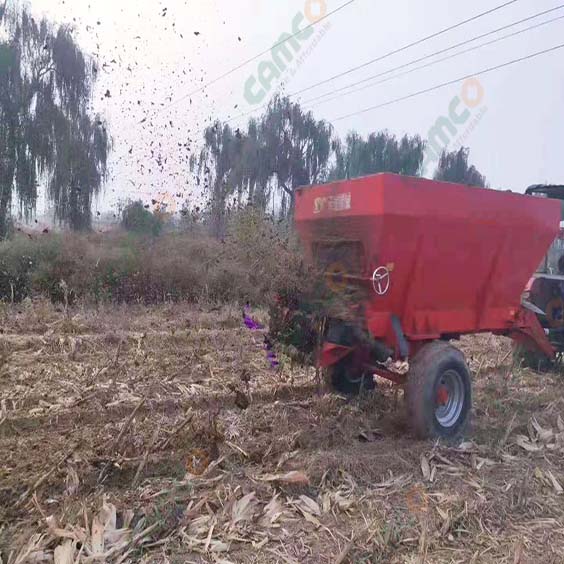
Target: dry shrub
<point x="248" y="265"/>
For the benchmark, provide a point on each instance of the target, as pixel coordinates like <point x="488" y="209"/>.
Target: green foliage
<point x="20" y="259"/>
<point x="286" y="149"/>
<point x="299" y="146"/>
<point x="137" y="219"/>
<point x="46" y="133"/>
<point x="454" y="167"/>
<point x="6" y="59"/>
<point x="380" y="152"/>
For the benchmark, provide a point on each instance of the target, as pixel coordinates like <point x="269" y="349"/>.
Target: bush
<point x="137" y="219"/>
<point x="251" y="264"/>
<point x="20" y="258"/>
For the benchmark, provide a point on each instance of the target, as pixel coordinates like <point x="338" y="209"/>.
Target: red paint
<point x="332" y="353"/>
<point x="460" y="256"/>
<point x="442" y="396"/>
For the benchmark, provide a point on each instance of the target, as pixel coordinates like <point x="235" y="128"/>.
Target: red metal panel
<point x="459" y="257"/>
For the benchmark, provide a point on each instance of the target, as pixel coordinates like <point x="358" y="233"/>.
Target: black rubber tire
<point x="346" y="379"/>
<point x="425" y="374"/>
<point x="528" y="358"/>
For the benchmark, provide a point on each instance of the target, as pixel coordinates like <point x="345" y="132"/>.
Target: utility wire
<point x="449" y="83"/>
<point x="482" y="36"/>
<point x="245" y="63"/>
<point x="421" y="67"/>
<point x="406" y="64"/>
<point x="405" y="47"/>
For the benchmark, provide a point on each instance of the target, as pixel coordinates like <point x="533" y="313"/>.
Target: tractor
<point x="544" y="294"/>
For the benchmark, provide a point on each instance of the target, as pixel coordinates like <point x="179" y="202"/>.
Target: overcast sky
<point x="151" y="58"/>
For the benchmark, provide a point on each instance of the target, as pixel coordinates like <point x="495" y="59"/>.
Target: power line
<point x="449" y="83"/>
<point x="244" y="114"/>
<point x="445" y="51"/>
<point x="245" y="63"/>
<point x="405" y="47"/>
<point x="432" y="63"/>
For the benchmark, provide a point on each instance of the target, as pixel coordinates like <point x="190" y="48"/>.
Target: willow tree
<point x="454" y="167"/>
<point x="298" y="147"/>
<point x="379" y="152"/>
<point x="219" y="164"/>
<point x="47" y="136"/>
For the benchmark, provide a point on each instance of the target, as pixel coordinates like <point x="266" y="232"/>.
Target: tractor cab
<point x="544" y="294"/>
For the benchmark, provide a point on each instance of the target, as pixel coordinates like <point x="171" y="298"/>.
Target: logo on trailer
<point x="339" y="203"/>
<point x="381" y="280"/>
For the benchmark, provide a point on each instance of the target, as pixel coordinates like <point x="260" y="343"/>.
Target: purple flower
<point x="251" y="323"/>
<point x="254" y="325"/>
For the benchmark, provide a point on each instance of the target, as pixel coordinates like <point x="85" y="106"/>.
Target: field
<point x="160" y="434"/>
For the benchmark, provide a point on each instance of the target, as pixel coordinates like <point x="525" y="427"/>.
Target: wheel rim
<point x="449" y="398"/>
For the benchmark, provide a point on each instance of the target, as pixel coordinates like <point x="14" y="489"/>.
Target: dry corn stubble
<point x="291" y="478"/>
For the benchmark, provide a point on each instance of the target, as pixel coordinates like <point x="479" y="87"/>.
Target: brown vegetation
<point x="121" y="267"/>
<point x="125" y="438"/>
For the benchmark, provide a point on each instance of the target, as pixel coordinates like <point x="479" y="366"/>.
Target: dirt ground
<point x="133" y="434"/>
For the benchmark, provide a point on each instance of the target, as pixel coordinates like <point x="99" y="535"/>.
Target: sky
<point x="156" y="57"/>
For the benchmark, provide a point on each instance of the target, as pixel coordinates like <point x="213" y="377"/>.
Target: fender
<point x="332" y="353"/>
<point x="529" y="332"/>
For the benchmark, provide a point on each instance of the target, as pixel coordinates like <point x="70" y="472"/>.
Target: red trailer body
<point x="443" y="259"/>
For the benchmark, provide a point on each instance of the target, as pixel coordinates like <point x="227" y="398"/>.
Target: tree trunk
<point x="7" y="170"/>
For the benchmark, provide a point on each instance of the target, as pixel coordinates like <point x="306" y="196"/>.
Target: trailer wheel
<point x="348" y="379"/>
<point x="439" y="393"/>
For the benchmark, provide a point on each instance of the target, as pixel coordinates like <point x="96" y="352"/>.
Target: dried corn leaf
<point x="65" y="553"/>
<point x="466" y="446"/>
<point x="97" y="535"/>
<point x="311" y="519"/>
<point x="272" y="512"/>
<point x="218" y="546"/>
<point x="555" y="484"/>
<point x="33" y="551"/>
<point x="543" y="434"/>
<point x="243" y="509"/>
<point x="72" y="482"/>
<point x="200" y="526"/>
<point x="294" y="477"/>
<point x="105" y="534"/>
<point x="526" y="444"/>
<point x="425" y="467"/>
<point x="308" y="505"/>
<point x="393" y="482"/>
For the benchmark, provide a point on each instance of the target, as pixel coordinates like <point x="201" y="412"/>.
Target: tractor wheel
<point x="439" y="393"/>
<point x="528" y="358"/>
<point x="350" y="380"/>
